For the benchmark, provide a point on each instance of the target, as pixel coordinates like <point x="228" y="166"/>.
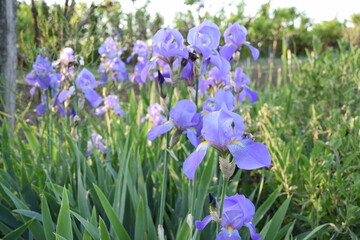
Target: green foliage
<point x="310" y="122"/>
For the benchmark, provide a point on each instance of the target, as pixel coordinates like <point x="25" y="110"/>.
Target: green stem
<point x="48" y="126"/>
<point x="165" y="168"/>
<point x="224" y="186"/>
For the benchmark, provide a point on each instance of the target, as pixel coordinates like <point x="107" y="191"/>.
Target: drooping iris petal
<point x="145" y="71"/>
<point x="221" y="63"/>
<point x="254" y="51"/>
<point x="61" y="110"/>
<point x="66" y="93"/>
<point x="250" y="155"/>
<point x="228" y="234"/>
<point x="227" y="51"/>
<point x="191" y="135"/>
<point x="92" y="96"/>
<point x="86" y="79"/>
<point x="194" y="159"/>
<point x="159" y="130"/>
<point x="200" y="225"/>
<point x="252" y="95"/>
<point x="40" y="109"/>
<point x="184" y="114"/>
<point x="253" y="234"/>
<point x="31" y="78"/>
<point x="100" y="111"/>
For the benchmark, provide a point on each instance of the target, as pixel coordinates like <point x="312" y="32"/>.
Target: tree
<point x="8" y="57"/>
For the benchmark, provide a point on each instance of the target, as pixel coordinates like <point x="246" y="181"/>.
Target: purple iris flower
<point x="238" y="211"/>
<point x="43" y="75"/>
<point x="235" y="37"/>
<point x="241" y="83"/>
<point x="111" y="64"/>
<point x="41" y="108"/>
<point x="86" y="83"/>
<point x="65" y="60"/>
<point x="204" y="38"/>
<point x="140" y="48"/>
<point x="110" y="102"/>
<point x="108" y="48"/>
<point x="169" y="43"/>
<point x="184" y="118"/>
<point x="154" y="113"/>
<point x="99" y="144"/>
<point x="224" y="130"/>
<point x="66" y="57"/>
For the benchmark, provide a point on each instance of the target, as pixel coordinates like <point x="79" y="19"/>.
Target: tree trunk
<point x="8" y="57"/>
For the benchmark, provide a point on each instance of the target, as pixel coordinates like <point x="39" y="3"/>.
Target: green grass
<point x="310" y="124"/>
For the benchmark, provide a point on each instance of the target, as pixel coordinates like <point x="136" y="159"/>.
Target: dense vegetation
<point x="59" y="182"/>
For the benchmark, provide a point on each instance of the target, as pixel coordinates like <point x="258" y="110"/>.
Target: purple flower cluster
<point x="111" y="64"/>
<point x="99" y="144"/>
<point x="44" y="77"/>
<point x="142" y="51"/>
<point x="85" y="82"/>
<point x="110" y="102"/>
<point x="154" y="114"/>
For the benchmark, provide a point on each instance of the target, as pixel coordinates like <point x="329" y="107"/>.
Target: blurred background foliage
<point x="49" y="28"/>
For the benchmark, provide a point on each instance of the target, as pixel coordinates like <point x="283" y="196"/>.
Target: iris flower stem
<point x="223" y="190"/>
<point x="48" y="126"/>
<point x="165" y="168"/>
<point x="192" y="189"/>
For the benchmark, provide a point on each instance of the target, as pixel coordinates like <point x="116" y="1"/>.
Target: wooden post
<point x="8" y="58"/>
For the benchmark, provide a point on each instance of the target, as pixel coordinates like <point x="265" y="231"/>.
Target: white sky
<point x="317" y="10"/>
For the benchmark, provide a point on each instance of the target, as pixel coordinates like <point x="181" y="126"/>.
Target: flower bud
<point x="227" y="168"/>
<point x="175" y="138"/>
<point x="214" y="209"/>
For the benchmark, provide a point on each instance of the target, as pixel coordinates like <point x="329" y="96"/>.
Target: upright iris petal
<point x="169" y="43"/>
<point x="204" y="38"/>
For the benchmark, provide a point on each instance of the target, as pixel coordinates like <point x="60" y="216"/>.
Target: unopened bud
<point x="175" y="138"/>
<point x="214" y="209"/>
<point x="184" y="61"/>
<point x="227" y="168"/>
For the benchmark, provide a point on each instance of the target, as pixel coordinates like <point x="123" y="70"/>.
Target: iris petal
<point x="226" y="234"/>
<point x="254" y="51"/>
<point x="159" y="130"/>
<point x="200" y="225"/>
<point x="253" y="234"/>
<point x="194" y="160"/>
<point x="250" y="155"/>
<point x="92" y="96"/>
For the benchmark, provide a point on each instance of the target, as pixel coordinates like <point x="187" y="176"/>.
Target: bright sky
<point x="317" y="10"/>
